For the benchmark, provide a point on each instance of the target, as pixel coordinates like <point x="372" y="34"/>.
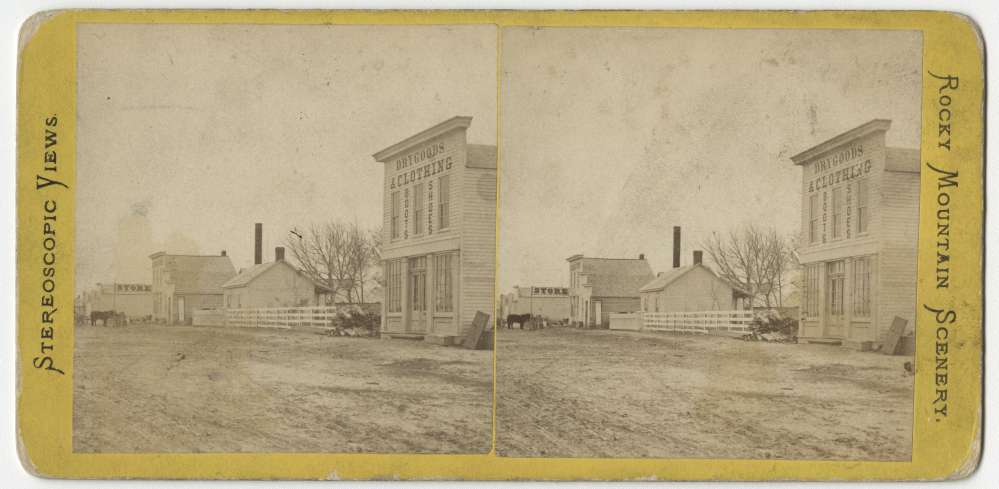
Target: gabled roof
<point x="902" y="160"/>
<point x="664" y="279"/>
<point x="198" y="274"/>
<point x="481" y="156"/>
<point x="247" y="275"/>
<point x="616" y="277"/>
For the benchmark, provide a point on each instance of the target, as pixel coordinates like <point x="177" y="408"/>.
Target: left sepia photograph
<point x="285" y="238"/>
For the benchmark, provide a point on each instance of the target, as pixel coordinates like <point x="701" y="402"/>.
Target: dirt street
<point x="195" y="389"/>
<point x="586" y="393"/>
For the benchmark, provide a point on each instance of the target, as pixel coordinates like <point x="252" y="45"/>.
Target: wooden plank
<point x="893" y="338"/>
<point x="473" y="340"/>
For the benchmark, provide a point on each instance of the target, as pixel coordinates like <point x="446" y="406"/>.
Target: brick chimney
<point x="222" y="253"/>
<point x="676" y="246"/>
<point x="258" y="243"/>
<point x="698" y="257"/>
<point x="641" y="256"/>
<point x="279" y="253"/>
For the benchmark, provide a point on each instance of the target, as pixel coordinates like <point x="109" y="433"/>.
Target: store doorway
<point x="835" y="298"/>
<point x="418" y="295"/>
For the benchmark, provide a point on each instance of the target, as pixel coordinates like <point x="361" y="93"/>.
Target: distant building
<point x="692" y="288"/>
<point x="600" y="286"/>
<point x="183" y="283"/>
<point x="439" y="244"/>
<point x="134" y="300"/>
<point x="551" y="303"/>
<point x="274" y="284"/>
<point x="859" y="225"/>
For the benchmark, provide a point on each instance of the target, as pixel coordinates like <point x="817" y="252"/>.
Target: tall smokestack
<point x="279" y="253"/>
<point x="676" y="246"/>
<point x="258" y="243"/>
<point x="698" y="257"/>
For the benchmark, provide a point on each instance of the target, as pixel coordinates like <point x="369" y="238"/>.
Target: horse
<point x="520" y="319"/>
<point x="102" y="316"/>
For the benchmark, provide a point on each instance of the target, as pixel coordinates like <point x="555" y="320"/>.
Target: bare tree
<point x="375" y="257"/>
<point x="756" y="259"/>
<point x="335" y="254"/>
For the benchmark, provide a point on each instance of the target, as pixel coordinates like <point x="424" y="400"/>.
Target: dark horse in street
<point x="106" y="316"/>
<point x="521" y="319"/>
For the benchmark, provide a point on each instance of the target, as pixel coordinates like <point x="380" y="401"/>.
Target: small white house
<point x="692" y="288"/>
<point x="274" y="284"/>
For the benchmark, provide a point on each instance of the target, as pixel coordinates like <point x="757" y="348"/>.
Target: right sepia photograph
<point x="707" y="243"/>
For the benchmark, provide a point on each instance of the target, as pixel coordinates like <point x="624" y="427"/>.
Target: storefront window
<point x="811" y="291"/>
<point x="444" y="283"/>
<point x="418" y="209"/>
<point x="862" y="287"/>
<point x="394" y="286"/>
<point x="396" y="207"/>
<point x="862" y="209"/>
<point x="444" y="202"/>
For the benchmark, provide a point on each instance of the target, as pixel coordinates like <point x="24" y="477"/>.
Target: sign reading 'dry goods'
<point x="419" y="165"/>
<point x="235" y="362"/>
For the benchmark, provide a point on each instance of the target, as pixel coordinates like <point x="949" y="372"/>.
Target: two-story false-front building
<point x="859" y="222"/>
<point x="439" y="232"/>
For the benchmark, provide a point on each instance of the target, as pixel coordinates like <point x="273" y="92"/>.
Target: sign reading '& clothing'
<point x="838" y="167"/>
<point x="426" y="163"/>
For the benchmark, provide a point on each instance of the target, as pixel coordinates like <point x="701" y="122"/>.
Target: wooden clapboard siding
<point x="454" y="142"/>
<point x="897" y="257"/>
<point x="478" y="244"/>
<point x="279" y="285"/>
<point x="874" y="149"/>
<point x="890" y="240"/>
<point x="697" y="290"/>
<point x="615" y="305"/>
<point x="471" y="224"/>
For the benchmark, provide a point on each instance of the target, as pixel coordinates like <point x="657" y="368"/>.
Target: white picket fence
<point x="282" y="317"/>
<point x="703" y="322"/>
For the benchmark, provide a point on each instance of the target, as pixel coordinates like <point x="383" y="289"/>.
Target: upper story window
<point x="418" y="209"/>
<point x="813" y="218"/>
<point x="444" y="202"/>
<point x="396" y="209"/>
<point x="863" y="211"/>
<point x="837" y="212"/>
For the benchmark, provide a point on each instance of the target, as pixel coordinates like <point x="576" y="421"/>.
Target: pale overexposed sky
<point x="611" y="136"/>
<point x="189" y="134"/>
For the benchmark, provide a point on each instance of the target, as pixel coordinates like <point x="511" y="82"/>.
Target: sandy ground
<point x="585" y="393"/>
<point x="195" y="389"/>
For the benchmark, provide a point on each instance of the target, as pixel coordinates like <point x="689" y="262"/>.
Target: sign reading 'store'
<point x="840" y="166"/>
<point x="549" y="291"/>
<point x="428" y="162"/>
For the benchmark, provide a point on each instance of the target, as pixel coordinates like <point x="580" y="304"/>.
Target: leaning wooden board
<point x="893" y="338"/>
<point x="474" y="337"/>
